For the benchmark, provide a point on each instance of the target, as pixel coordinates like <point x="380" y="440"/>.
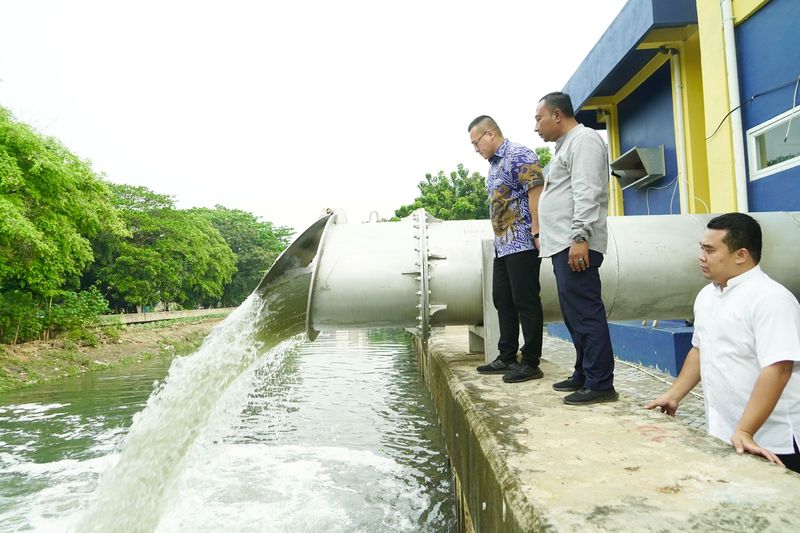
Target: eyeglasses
<point x="476" y="141"/>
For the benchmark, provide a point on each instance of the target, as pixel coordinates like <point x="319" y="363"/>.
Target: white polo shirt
<point x="752" y="323"/>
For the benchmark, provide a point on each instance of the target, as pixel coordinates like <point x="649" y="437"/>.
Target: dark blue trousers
<point x="515" y="293"/>
<point x="791" y="461"/>
<point x="585" y="317"/>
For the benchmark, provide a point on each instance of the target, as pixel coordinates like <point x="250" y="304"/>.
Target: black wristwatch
<point x="579" y="239"/>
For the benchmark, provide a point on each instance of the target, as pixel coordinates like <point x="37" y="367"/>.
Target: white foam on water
<point x="229" y="485"/>
<point x="293" y="488"/>
<point x="65" y="487"/>
<point x="30" y="408"/>
<point x="58" y="469"/>
<point x="132" y="494"/>
<point x="50" y="496"/>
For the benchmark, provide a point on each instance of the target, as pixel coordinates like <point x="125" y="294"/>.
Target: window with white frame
<point x="774" y="145"/>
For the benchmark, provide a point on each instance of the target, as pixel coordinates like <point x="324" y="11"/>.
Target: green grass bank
<point x="37" y="362"/>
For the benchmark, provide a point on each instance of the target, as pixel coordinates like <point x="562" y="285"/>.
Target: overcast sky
<point x="286" y="108"/>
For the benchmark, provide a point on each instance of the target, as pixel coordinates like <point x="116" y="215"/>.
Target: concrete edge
<point x="482" y="475"/>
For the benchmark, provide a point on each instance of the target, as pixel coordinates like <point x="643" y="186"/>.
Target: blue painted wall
<point x="768" y="49"/>
<point x="619" y="41"/>
<point x="589" y="119"/>
<point x="645" y="120"/>
<point x="664" y="347"/>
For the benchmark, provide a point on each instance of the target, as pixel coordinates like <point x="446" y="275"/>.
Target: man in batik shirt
<point x="514" y="184"/>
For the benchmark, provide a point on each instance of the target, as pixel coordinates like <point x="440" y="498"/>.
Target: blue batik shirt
<point x="514" y="170"/>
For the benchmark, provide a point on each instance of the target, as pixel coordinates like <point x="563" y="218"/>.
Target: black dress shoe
<point x="524" y="372"/>
<point x="498" y="366"/>
<point x="588" y="396"/>
<point x="568" y="385"/>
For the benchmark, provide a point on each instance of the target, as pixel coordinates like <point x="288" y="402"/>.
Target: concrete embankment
<point x="525" y="461"/>
<point x="141" y="318"/>
<point x="37" y="362"/>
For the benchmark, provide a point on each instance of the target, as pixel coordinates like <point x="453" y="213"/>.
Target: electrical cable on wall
<point x="762" y="93"/>
<point x="794" y="104"/>
<point x="708" y="210"/>
<point x="672" y="198"/>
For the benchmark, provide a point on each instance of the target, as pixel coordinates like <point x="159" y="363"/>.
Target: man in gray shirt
<point x="572" y="225"/>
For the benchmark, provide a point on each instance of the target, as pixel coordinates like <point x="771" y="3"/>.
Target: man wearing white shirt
<point x="746" y="347"/>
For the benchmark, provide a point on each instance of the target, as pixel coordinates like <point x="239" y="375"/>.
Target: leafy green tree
<point x="108" y="247"/>
<point x="543" y="152"/>
<point x="137" y="198"/>
<point x="25" y="317"/>
<point x="170" y="256"/>
<point x="76" y="310"/>
<point x="459" y="196"/>
<point x="20" y="316"/>
<point x="51" y="206"/>
<point x="255" y="243"/>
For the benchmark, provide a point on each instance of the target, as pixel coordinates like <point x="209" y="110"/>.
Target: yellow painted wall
<point x="640" y="77"/>
<point x="694" y="122"/>
<point x="613" y="139"/>
<point x="607" y="114"/>
<point x="719" y="147"/>
<point x="744" y="8"/>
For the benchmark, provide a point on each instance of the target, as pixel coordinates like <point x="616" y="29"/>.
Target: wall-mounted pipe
<point x="421" y="272"/>
<point x="680" y="129"/>
<point x="732" y="67"/>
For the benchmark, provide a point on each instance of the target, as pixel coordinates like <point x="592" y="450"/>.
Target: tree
<point x="170" y="256"/>
<point x="137" y="198"/>
<point x="51" y="206"/>
<point x="543" y="152"/>
<point x="458" y="196"/>
<point x="255" y="243"/>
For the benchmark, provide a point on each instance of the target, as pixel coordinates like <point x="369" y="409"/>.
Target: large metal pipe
<point x="422" y="272"/>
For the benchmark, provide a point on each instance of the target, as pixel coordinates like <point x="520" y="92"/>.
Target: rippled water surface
<point x="335" y="435"/>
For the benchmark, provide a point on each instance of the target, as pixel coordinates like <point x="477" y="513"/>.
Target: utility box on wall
<point x="639" y="167"/>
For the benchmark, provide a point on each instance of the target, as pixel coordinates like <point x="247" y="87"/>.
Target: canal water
<point x="335" y="435"/>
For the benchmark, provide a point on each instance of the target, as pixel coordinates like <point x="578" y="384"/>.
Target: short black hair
<point x="560" y="101"/>
<point x="487" y="120"/>
<point x="743" y="231"/>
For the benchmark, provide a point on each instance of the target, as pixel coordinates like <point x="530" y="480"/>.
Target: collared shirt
<point x="575" y="196"/>
<point x="514" y="169"/>
<point x="740" y="330"/>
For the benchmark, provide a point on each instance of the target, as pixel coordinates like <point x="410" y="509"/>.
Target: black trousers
<point x="515" y="293"/>
<point x="585" y="317"/>
<point x="792" y="460"/>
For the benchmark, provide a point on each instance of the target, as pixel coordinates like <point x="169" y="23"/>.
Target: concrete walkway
<point x="640" y="384"/>
<point x="525" y="461"/>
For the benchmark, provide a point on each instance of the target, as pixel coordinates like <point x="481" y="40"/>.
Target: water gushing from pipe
<point x="132" y="495"/>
